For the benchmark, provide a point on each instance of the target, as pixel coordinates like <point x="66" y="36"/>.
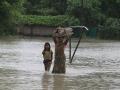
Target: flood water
<point x="96" y="66"/>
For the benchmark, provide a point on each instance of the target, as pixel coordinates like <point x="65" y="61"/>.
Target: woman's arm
<point x="51" y="55"/>
<point x="54" y="39"/>
<point x="66" y="40"/>
<point x="55" y="33"/>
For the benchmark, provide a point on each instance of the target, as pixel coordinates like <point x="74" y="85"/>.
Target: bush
<point x="8" y="30"/>
<point x="111" y="29"/>
<point x="43" y="11"/>
<point x="60" y="20"/>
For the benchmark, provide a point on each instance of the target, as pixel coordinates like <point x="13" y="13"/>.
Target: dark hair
<point x="47" y="43"/>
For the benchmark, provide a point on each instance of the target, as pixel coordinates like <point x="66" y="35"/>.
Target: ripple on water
<point x="95" y="67"/>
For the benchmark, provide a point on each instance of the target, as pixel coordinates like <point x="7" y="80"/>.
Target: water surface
<point x="96" y="66"/>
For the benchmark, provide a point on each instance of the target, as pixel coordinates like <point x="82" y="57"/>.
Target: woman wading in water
<point x="60" y="39"/>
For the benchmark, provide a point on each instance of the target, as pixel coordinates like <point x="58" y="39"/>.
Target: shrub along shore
<point x="102" y="17"/>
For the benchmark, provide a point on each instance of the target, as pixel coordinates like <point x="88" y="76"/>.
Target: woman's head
<point x="60" y="39"/>
<point x="47" y="46"/>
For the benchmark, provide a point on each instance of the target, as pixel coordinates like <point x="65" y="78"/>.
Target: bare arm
<point x="54" y="39"/>
<point x="66" y="41"/>
<point x="51" y="55"/>
<point x="54" y="36"/>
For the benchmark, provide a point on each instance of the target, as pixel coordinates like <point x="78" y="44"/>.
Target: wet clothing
<point x="47" y="61"/>
<point x="47" y="64"/>
<point x="60" y="39"/>
<point x="59" y="62"/>
<point x="47" y="55"/>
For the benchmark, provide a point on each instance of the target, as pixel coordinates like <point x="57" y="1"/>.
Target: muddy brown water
<point x="96" y="66"/>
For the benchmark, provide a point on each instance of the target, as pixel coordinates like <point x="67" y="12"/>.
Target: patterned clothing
<point x="47" y="55"/>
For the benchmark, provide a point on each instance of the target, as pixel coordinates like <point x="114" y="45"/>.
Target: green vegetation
<point x="111" y="29"/>
<point x="61" y="20"/>
<point x="100" y="15"/>
<point x="9" y="11"/>
<point x="45" y="7"/>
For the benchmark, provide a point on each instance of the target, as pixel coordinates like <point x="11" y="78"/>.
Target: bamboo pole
<point x="70" y="49"/>
<point x="76" y="47"/>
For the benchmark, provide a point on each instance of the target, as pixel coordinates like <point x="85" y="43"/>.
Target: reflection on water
<point x="46" y="81"/>
<point x="96" y="66"/>
<point x="58" y="82"/>
<point x="53" y="82"/>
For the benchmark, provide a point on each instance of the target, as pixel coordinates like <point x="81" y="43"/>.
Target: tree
<point x="9" y="12"/>
<point x="86" y="11"/>
<point x="45" y="7"/>
<point x="59" y="5"/>
<point x="111" y="8"/>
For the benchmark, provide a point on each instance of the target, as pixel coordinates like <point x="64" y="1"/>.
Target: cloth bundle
<point x="63" y="32"/>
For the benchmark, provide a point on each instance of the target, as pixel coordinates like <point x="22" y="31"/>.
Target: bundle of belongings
<point x="63" y="32"/>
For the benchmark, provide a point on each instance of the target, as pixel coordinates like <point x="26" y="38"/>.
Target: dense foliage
<point x="45" y="7"/>
<point x="111" y="29"/>
<point x="100" y="14"/>
<point x="9" y="11"/>
<point x="60" y="20"/>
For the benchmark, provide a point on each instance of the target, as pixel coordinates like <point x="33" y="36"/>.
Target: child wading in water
<point x="48" y="56"/>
